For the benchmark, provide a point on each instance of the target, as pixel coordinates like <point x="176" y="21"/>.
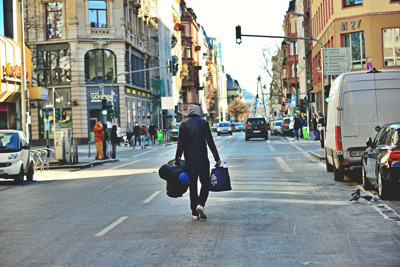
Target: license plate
<point x="1" y="171"/>
<point x="355" y="153"/>
<point x="256" y="131"/>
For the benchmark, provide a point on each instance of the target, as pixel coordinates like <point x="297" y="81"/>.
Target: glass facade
<point x="391" y="47"/>
<point x="55" y="62"/>
<point x="357" y="46"/>
<point x="54" y="20"/>
<point x="100" y="66"/>
<point x="98" y="14"/>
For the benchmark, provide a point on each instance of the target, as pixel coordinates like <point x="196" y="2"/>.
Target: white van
<point x="358" y="102"/>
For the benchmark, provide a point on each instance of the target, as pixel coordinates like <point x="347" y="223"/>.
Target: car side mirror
<point x="25" y="147"/>
<point x="377" y="128"/>
<point x="369" y="142"/>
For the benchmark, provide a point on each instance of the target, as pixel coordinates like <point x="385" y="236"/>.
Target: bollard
<point x="89" y="150"/>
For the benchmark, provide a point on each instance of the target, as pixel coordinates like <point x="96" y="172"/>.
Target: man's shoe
<point x="195" y="218"/>
<point x="200" y="210"/>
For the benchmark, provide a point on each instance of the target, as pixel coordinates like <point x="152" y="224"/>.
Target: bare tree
<point x="237" y="108"/>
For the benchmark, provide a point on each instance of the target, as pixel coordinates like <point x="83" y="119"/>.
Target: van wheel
<point x="218" y="134"/>
<point x="29" y="175"/>
<point x="365" y="182"/>
<point x="383" y="188"/>
<point x="247" y="139"/>
<point x="230" y="133"/>
<point x="338" y="174"/>
<point x="266" y="137"/>
<point x="20" y="177"/>
<point x="329" y="167"/>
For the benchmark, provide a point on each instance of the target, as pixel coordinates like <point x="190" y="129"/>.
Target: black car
<point x="381" y="160"/>
<point x="256" y="128"/>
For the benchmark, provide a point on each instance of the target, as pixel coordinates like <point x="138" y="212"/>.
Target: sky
<point x="258" y="17"/>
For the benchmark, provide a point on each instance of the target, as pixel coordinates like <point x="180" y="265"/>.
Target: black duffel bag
<point x="171" y="174"/>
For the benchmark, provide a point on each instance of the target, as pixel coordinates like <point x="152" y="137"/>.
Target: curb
<point x="315" y="155"/>
<point x="83" y="165"/>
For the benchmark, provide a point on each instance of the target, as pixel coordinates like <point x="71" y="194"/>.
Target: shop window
<point x="53" y="65"/>
<point x="98" y="14"/>
<point x="100" y="66"/>
<point x="357" y="47"/>
<point x="54" y="20"/>
<point x="348" y="3"/>
<point x="391" y="47"/>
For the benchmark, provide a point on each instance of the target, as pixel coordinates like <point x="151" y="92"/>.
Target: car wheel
<point x="20" y="177"/>
<point x="218" y="134"/>
<point x="365" y="182"/>
<point x="338" y="174"/>
<point x="230" y="133"/>
<point x="329" y="167"/>
<point x="383" y="188"/>
<point x="29" y="175"/>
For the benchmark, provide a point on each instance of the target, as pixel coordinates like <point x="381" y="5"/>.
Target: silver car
<point x="224" y="128"/>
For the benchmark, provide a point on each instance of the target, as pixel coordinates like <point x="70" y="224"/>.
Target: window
<point x="295" y="48"/>
<point x="292" y="70"/>
<point x="357" y="46"/>
<point x="291" y="49"/>
<point x="54" y="20"/>
<point x="55" y="63"/>
<point x="347" y="3"/>
<point x="98" y="14"/>
<point x="188" y="52"/>
<point x="391" y="47"/>
<point x="100" y="66"/>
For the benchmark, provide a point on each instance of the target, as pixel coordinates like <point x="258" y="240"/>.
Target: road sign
<point x="46" y="125"/>
<point x="337" y="60"/>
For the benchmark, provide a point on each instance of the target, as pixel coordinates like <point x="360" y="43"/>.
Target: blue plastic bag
<point x="220" y="180"/>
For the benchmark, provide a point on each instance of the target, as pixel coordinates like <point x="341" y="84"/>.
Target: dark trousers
<point x="198" y="167"/>
<point x="322" y="139"/>
<point x="137" y="138"/>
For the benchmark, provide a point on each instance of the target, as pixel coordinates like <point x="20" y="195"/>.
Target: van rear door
<point x="387" y="96"/>
<point x="359" y="116"/>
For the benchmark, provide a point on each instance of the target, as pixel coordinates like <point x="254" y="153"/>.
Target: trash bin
<point x="305" y="133"/>
<point x="159" y="136"/>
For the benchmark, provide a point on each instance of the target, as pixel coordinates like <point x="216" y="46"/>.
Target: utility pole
<point x="23" y="75"/>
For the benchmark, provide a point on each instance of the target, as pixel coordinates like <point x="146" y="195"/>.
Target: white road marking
<point x="111" y="226"/>
<point x="141" y="154"/>
<point x="283" y="164"/>
<point x="123" y="165"/>
<point x="152" y="196"/>
<point x="268" y="141"/>
<point x="271" y="148"/>
<point x="305" y="153"/>
<point x="168" y="152"/>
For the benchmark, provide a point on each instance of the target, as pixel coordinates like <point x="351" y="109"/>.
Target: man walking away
<point x="193" y="138"/>
<point x="152" y="132"/>
<point x="105" y="142"/>
<point x="98" y="138"/>
<point x="114" y="141"/>
<point x="119" y="134"/>
<point x="321" y="128"/>
<point x="143" y="134"/>
<point x="136" y="132"/>
<point x="296" y="127"/>
<point x="315" y="126"/>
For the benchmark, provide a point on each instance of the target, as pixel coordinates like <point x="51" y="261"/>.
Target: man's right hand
<point x="217" y="163"/>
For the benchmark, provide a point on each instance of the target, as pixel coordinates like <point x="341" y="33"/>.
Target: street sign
<point x="46" y="125"/>
<point x="94" y="93"/>
<point x="337" y="60"/>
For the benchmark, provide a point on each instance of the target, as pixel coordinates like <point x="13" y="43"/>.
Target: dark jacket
<point x="114" y="137"/>
<point x="315" y="122"/>
<point x="297" y="124"/>
<point x="136" y="130"/>
<point x="152" y="129"/>
<point x="105" y="132"/>
<point x="194" y="135"/>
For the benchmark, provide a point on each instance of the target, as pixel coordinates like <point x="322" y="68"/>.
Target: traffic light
<point x="64" y="115"/>
<point x="238" y="34"/>
<point x="104" y="104"/>
<point x="305" y="102"/>
<point x="327" y="88"/>
<point x="173" y="65"/>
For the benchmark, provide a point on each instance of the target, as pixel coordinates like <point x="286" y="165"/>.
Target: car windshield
<point x="8" y="142"/>
<point x="224" y="124"/>
<point x="238" y="124"/>
<point x="255" y="122"/>
<point x="287" y="120"/>
<point x="278" y="123"/>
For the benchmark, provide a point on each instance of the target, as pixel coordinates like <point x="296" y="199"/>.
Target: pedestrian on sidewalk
<point x="315" y="126"/>
<point x="152" y="132"/>
<point x="304" y="123"/>
<point x="136" y="132"/>
<point x="119" y="134"/>
<point x="301" y="125"/>
<point x="296" y="127"/>
<point x="143" y="134"/>
<point x="193" y="138"/>
<point x="114" y="141"/>
<point x="105" y="141"/>
<point x="321" y="128"/>
<point x="98" y="138"/>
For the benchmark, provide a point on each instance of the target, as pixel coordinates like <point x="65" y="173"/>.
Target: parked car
<point x="256" y="128"/>
<point x="238" y="127"/>
<point x="358" y="101"/>
<point x="381" y="161"/>
<point x="276" y="128"/>
<point x="15" y="157"/>
<point x="214" y="127"/>
<point x="224" y="128"/>
<point x="287" y="126"/>
<point x="175" y="132"/>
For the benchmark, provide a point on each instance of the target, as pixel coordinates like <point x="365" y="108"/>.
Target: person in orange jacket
<point x="98" y="138"/>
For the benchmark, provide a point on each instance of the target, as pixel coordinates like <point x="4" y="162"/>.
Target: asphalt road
<point x="284" y="210"/>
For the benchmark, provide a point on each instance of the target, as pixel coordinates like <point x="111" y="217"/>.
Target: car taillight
<point x="266" y="127"/>
<point x="393" y="154"/>
<point x="338" y="138"/>
<point x="246" y="128"/>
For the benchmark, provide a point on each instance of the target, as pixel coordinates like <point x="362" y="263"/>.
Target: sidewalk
<point x="314" y="149"/>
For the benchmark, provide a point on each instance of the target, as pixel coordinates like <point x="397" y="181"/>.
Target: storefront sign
<point x="353" y="25"/>
<point x="12" y="72"/>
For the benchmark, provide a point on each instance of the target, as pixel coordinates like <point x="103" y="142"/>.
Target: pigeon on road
<point x="376" y="198"/>
<point x="356" y="196"/>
